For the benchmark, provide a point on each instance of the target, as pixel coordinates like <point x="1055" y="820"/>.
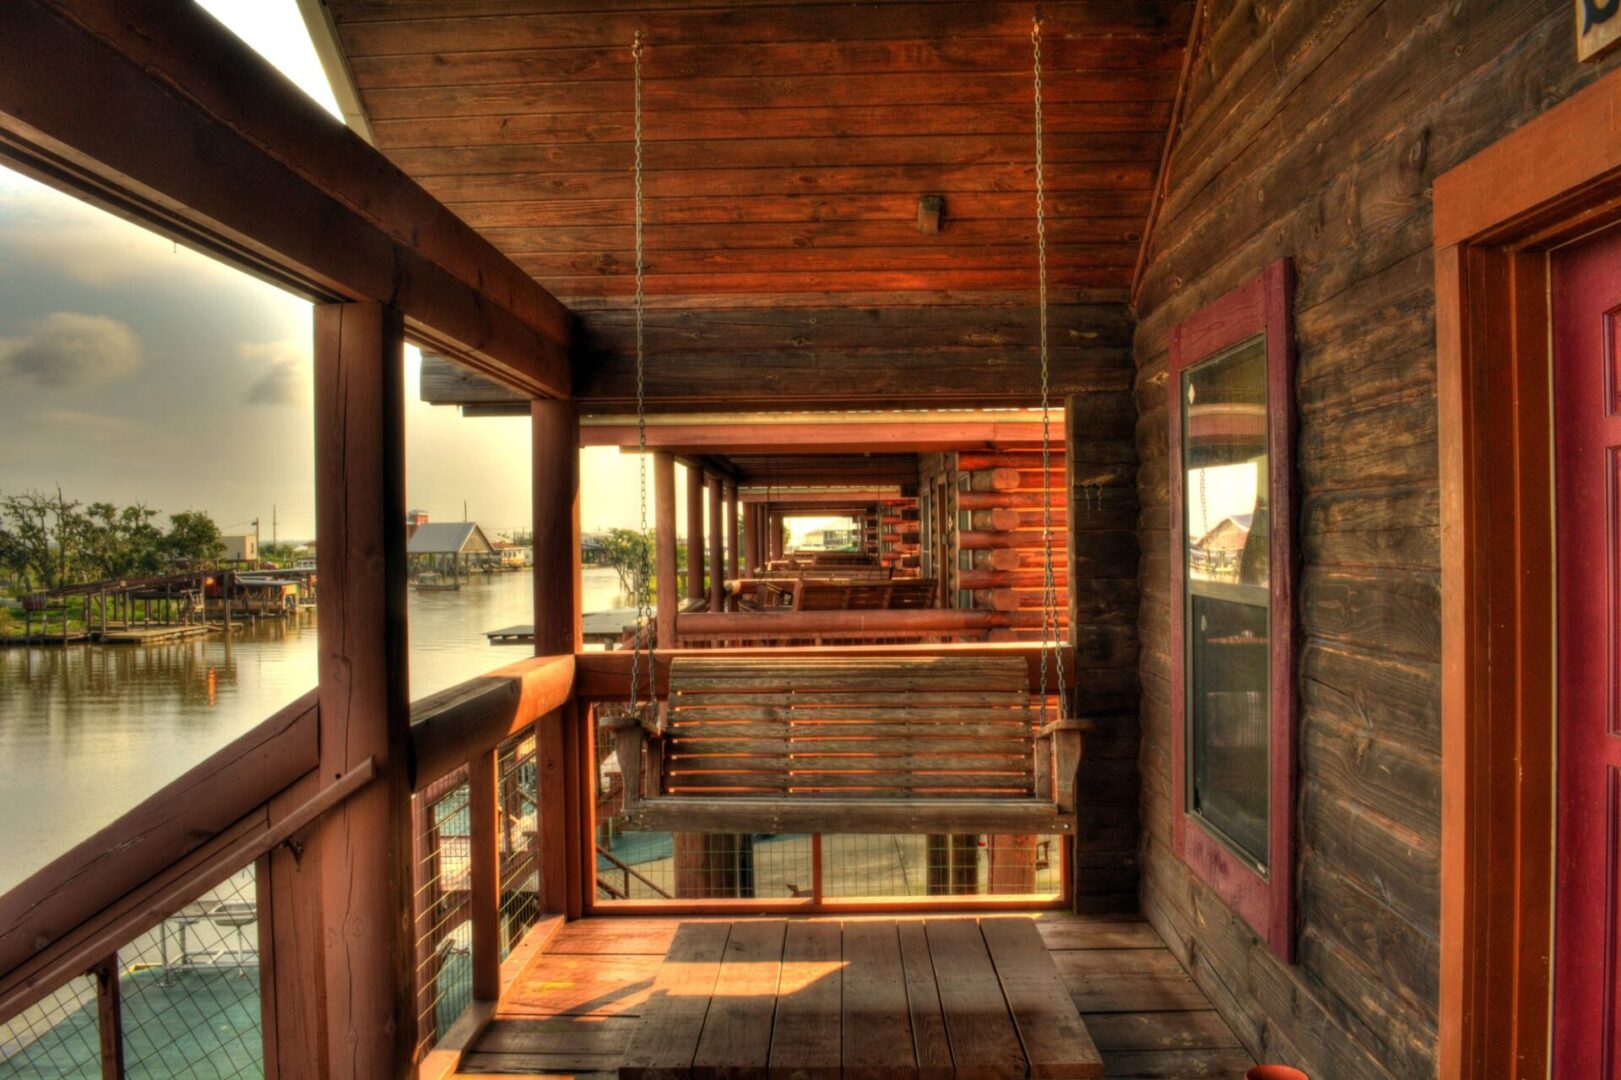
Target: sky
<point x="133" y="369"/>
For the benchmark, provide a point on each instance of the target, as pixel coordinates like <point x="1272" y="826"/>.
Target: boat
<point x="436" y="583"/>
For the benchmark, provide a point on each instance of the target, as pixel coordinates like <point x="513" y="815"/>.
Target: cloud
<point x="284" y="372"/>
<point x="66" y="349"/>
<point x="80" y="426"/>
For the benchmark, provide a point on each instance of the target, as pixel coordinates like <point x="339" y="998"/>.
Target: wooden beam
<point x="665" y="574"/>
<point x="202" y="121"/>
<point x="695" y="533"/>
<point x="966" y="431"/>
<point x="364" y="846"/>
<point x="555" y="521"/>
<point x="779" y="496"/>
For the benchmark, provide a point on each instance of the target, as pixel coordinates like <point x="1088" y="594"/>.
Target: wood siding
<point x="1314" y="132"/>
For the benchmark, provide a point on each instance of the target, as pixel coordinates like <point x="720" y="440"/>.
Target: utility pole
<point x="255" y="532"/>
<point x="272" y="524"/>
<point x="464" y="509"/>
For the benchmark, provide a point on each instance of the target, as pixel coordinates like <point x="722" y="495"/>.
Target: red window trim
<point x="1266" y="903"/>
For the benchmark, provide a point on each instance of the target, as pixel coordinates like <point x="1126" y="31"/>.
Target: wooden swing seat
<point x="943" y="744"/>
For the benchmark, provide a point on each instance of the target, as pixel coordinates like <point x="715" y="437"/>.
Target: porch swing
<point x="856" y="743"/>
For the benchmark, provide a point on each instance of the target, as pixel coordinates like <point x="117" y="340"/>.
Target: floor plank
<point x="933" y="1048"/>
<point x="1056" y="1044"/>
<point x="579" y="1002"/>
<point x="984" y="1042"/>
<point x="736" y="1040"/>
<point x="1111" y="934"/>
<point x="877" y="1034"/>
<point x="666" y="1040"/>
<point x="1128" y="980"/>
<point x="1176" y="1064"/>
<point x="1199" y="1029"/>
<point x="806" y="1042"/>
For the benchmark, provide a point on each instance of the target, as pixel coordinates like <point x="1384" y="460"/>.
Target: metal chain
<point x="1049" y="590"/>
<point x="644" y="574"/>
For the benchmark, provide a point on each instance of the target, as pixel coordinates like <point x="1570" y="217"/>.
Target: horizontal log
<point x="1002" y="816"/>
<point x="201" y="119"/>
<point x="452" y="727"/>
<point x="845" y="437"/>
<point x="606" y="676"/>
<point x="141" y="843"/>
<point x="744" y="624"/>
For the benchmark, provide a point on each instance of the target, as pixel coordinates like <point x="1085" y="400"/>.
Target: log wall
<point x="1314" y="131"/>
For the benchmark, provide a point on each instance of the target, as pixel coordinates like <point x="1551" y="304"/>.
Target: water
<point x="88" y="731"/>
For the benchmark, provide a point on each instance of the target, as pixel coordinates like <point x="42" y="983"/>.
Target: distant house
<point x="446" y="547"/>
<point x="828" y="539"/>
<point x="593" y="548"/>
<point x="240" y="548"/>
<point x="511" y="556"/>
<point x="1219" y="550"/>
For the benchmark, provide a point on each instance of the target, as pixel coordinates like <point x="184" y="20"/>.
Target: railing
<point x="156" y="940"/>
<point x="141" y="950"/>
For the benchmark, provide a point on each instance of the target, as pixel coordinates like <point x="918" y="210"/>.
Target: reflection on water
<point x="88" y="731"/>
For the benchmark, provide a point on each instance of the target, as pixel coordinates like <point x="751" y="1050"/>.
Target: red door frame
<point x="1586" y="297"/>
<point x="1496" y="217"/>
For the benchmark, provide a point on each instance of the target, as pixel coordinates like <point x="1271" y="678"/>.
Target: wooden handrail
<point x="727" y="625"/>
<point x="452" y="727"/>
<point x="91" y="881"/>
<point x="20" y="990"/>
<point x="605" y="676"/>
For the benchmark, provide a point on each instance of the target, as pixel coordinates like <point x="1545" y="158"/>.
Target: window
<point x="1232" y="567"/>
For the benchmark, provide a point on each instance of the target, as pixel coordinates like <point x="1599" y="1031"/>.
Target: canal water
<point x="88" y="731"/>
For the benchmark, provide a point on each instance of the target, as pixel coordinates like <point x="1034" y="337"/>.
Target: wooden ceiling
<point x="786" y="149"/>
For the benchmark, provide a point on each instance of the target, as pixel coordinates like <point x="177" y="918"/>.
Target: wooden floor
<point x="574" y="1009"/>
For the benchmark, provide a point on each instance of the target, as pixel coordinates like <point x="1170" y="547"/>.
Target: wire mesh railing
<point x="518" y="851"/>
<point x="441" y="851"/>
<point x="180" y="1000"/>
<point x="59" y="1036"/>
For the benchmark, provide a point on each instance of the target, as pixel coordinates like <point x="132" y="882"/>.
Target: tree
<point x="38" y="543"/>
<point x="117" y="543"/>
<point x="194" y="537"/>
<point x="630" y="553"/>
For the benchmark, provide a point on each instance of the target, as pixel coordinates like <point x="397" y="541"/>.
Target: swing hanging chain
<point x="1049" y="592"/>
<point x="644" y="585"/>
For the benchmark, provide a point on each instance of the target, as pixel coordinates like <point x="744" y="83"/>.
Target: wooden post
<point x="695" y="533"/>
<point x="731" y="532"/>
<point x="717" y="553"/>
<point x="110" y="1018"/>
<point x="484" y="875"/>
<point x="664" y="568"/>
<point x="364" y="845"/>
<point x="555" y="437"/>
<point x="555" y="521"/>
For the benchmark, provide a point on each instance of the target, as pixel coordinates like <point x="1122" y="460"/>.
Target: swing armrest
<point x="1062" y="757"/>
<point x="638" y="743"/>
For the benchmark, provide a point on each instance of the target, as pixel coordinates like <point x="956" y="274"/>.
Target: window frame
<point x="1265" y="902"/>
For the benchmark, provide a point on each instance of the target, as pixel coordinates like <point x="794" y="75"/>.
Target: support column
<point x="555" y="522"/>
<point x="732" y="552"/>
<point x="665" y="573"/>
<point x="363" y="847"/>
<point x="717" y="554"/>
<point x="555" y="436"/>
<point x="695" y="533"/>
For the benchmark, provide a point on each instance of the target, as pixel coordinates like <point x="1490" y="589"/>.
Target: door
<point x="1587" y="455"/>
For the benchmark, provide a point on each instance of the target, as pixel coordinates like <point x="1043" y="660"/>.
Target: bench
<point x="914" y="744"/>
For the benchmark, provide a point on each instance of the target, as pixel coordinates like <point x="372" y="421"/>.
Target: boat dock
<point x="597" y="627"/>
